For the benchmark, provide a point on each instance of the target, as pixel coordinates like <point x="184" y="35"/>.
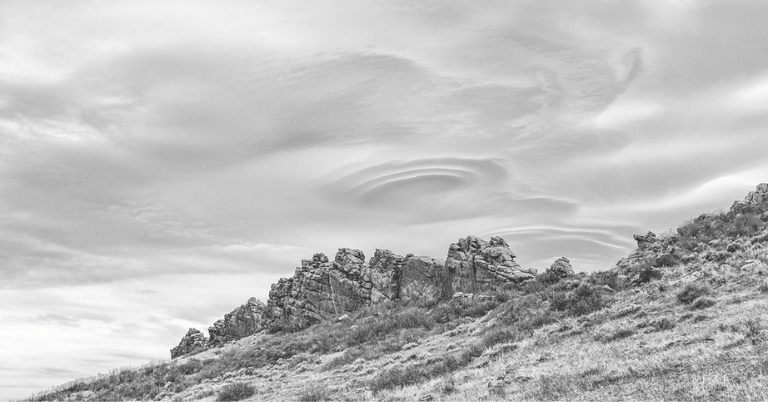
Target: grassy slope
<point x="573" y="340"/>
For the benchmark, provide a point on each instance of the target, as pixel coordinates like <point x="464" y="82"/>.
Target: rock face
<point x="243" y="321"/>
<point x="386" y="268"/>
<point x="193" y="340"/>
<point x="421" y="279"/>
<point x="321" y="289"/>
<point x="759" y="196"/>
<point x="474" y="265"/>
<point x="757" y="199"/>
<point x="561" y="268"/>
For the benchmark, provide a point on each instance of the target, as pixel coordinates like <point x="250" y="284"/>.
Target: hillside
<point x="680" y="318"/>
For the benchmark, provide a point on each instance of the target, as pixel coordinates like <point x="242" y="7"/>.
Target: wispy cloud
<point x="161" y="163"/>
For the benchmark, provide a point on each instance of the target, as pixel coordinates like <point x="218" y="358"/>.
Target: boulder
<point x="193" y="341"/>
<point x="561" y="268"/>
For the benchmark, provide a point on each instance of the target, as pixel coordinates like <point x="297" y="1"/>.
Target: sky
<point x="163" y="161"/>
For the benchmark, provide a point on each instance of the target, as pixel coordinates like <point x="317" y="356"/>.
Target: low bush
<point x="399" y="377"/>
<point x="501" y="335"/>
<point x="703" y="302"/>
<point x="315" y="394"/>
<point x="692" y="291"/>
<point x="236" y="391"/>
<point x="648" y="273"/>
<point x="620" y="333"/>
<point x="583" y="300"/>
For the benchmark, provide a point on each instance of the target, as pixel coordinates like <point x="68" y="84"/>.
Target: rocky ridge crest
<point x="321" y="289"/>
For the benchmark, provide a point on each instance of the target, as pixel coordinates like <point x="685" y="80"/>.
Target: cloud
<point x="149" y="160"/>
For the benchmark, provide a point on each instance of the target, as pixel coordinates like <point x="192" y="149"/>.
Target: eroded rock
<point x="645" y="241"/>
<point x="474" y="265"/>
<point x="193" y="341"/>
<point x="561" y="268"/>
<point x="246" y="320"/>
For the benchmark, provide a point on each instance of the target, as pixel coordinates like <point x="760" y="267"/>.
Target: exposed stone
<point x="246" y="320"/>
<point x="192" y="341"/>
<point x="561" y="268"/>
<point x="460" y="296"/>
<point x="321" y="289"/>
<point x="759" y="196"/>
<point x="421" y="279"/>
<point x="474" y="265"/>
<point x="754" y="199"/>
<point x="385" y="270"/>
<point x="645" y="241"/>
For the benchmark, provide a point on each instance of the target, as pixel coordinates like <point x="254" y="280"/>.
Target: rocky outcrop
<point x="561" y="268"/>
<point x="193" y="341"/>
<point x="243" y="321"/>
<point x="474" y="265"/>
<point x="321" y="289"/>
<point x="645" y="241"/>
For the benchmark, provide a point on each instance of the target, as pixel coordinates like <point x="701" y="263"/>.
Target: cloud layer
<point x="161" y="163"/>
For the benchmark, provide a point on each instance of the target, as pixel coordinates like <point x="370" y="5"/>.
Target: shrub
<point x="620" y="333"/>
<point x="235" y="392"/>
<point x="320" y="394"/>
<point x="753" y="330"/>
<point x="667" y="260"/>
<point x="398" y="377"/>
<point x="703" y="302"/>
<point x="190" y="367"/>
<point x="583" y="300"/>
<point x="763" y="288"/>
<point x="501" y="335"/>
<point x="606" y="278"/>
<point x="648" y="273"/>
<point x="691" y="292"/>
<point x="663" y="324"/>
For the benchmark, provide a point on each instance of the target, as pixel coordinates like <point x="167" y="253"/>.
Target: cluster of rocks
<point x="757" y="198"/>
<point x="322" y="289"/>
<point x="246" y="320"/>
<point x="192" y="341"/>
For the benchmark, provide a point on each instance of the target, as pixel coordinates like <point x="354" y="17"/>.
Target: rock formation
<point x="645" y="241"/>
<point x="322" y="289"/>
<point x="193" y="340"/>
<point x="757" y="198"/>
<point x="243" y="321"/>
<point x="474" y="265"/>
<point x="385" y="268"/>
<point x="561" y="268"/>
